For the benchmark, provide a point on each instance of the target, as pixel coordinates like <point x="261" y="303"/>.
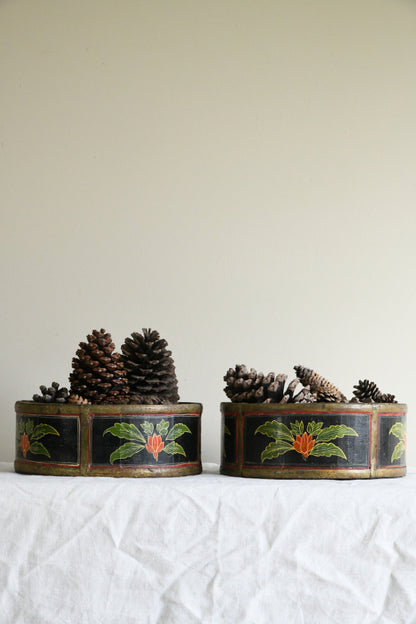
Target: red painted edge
<point x="315" y="467"/>
<point x="199" y="438"/>
<point x="158" y="415"/>
<point x="40" y="463"/>
<point x="288" y="412"/>
<point x="124" y="467"/>
<point x="48" y="415"/>
<point x="370" y="437"/>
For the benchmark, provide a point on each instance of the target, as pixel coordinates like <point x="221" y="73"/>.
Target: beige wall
<point x="239" y="175"/>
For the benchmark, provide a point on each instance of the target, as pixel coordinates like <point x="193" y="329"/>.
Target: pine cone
<point x="75" y="399"/>
<point x="53" y="394"/>
<point x="150" y="369"/>
<point x="368" y="392"/>
<point x="324" y="389"/>
<point x="249" y="386"/>
<point x="246" y="386"/>
<point x="98" y="373"/>
<point x="276" y="392"/>
<point x="387" y="398"/>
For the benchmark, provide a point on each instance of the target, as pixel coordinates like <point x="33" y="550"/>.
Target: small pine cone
<point x="368" y="392"/>
<point x="247" y="386"/>
<point x="98" y="372"/>
<point x="53" y="394"/>
<point x="74" y="399"/>
<point x="150" y="369"/>
<point x="325" y="391"/>
<point x="387" y="398"/>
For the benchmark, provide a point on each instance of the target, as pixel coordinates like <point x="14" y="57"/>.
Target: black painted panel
<point x="391" y="440"/>
<point x="48" y="439"/>
<point x="354" y="447"/>
<point x="146" y="447"/>
<point x="230" y="439"/>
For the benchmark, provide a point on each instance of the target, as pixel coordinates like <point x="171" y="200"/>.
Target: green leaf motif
<point x="335" y="431"/>
<point x="37" y="448"/>
<point x="42" y="430"/>
<point x="125" y="430"/>
<point x="21" y="427"/>
<point x="227" y="430"/>
<point x="274" y="449"/>
<point x="163" y="427"/>
<point x="314" y="428"/>
<point x="276" y="430"/>
<point x="147" y="427"/>
<point x="174" y="448"/>
<point x="297" y="427"/>
<point x="176" y="431"/>
<point x="327" y="450"/>
<point x="126" y="450"/>
<point x="398" y="451"/>
<point x="398" y="430"/>
<point x="29" y="427"/>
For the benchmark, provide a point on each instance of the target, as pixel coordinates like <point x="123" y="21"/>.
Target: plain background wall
<point x="239" y="175"/>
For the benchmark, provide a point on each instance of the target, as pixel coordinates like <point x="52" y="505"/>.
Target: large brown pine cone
<point x="249" y="386"/>
<point x="324" y="389"/>
<point x="150" y="369"/>
<point x="368" y="392"/>
<point x="98" y="372"/>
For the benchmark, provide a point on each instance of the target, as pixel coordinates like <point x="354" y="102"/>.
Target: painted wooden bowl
<point x="108" y="440"/>
<point x="314" y="440"/>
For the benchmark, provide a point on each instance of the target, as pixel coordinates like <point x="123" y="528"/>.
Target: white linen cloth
<point x="206" y="549"/>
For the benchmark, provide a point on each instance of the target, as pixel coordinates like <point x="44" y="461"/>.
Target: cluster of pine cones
<point x="249" y="386"/>
<point x="144" y="372"/>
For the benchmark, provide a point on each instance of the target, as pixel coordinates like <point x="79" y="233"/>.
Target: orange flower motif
<point x="304" y="444"/>
<point x="154" y="445"/>
<point x="24" y="444"/>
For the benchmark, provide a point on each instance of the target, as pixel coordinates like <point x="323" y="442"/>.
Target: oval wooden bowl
<point x="314" y="440"/>
<point x="108" y="440"/>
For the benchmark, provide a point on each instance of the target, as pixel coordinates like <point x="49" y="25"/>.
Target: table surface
<point x="206" y="549"/>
